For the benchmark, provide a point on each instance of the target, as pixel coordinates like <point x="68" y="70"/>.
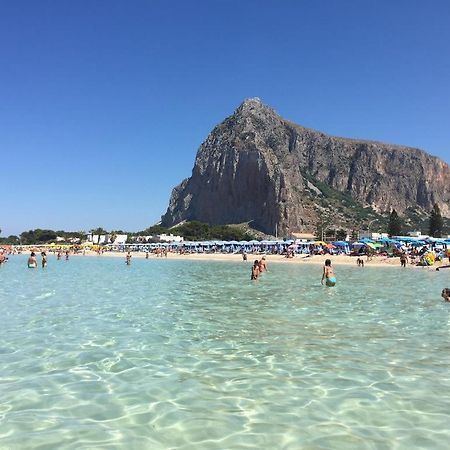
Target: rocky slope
<point x="260" y="168"/>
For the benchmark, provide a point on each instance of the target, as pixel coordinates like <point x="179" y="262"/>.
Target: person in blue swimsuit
<point x="328" y="274"/>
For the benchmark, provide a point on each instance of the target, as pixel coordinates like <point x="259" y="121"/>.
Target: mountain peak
<point x="257" y="167"/>
<point x="254" y="107"/>
<point x="253" y="101"/>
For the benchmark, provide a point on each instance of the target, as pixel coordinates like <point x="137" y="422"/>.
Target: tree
<point x="322" y="226"/>
<point x="37" y="236"/>
<point x="193" y="231"/>
<point x="395" y="224"/>
<point x="341" y="235"/>
<point x="154" y="229"/>
<point x="436" y="222"/>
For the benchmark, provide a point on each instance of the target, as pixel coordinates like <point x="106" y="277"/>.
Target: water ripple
<point x="183" y="355"/>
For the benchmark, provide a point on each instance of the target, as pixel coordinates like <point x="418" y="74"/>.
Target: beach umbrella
<point x="319" y="243"/>
<point x="340" y="243"/>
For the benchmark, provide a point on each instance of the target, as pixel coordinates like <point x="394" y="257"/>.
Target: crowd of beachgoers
<point x="406" y="251"/>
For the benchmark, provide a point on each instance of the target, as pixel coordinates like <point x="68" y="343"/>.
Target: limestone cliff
<point x="260" y="168"/>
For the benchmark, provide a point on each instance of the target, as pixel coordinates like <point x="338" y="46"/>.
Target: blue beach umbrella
<point x="340" y="243"/>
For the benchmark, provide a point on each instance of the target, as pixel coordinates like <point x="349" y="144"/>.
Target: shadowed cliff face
<point x="257" y="167"/>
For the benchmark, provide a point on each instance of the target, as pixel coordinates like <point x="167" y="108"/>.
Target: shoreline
<point x="336" y="260"/>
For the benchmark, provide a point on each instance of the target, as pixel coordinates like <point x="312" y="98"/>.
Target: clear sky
<point x="104" y="103"/>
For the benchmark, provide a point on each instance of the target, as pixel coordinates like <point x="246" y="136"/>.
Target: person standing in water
<point x="44" y="259"/>
<point x="263" y="265"/>
<point x="32" y="262"/>
<point x="403" y="259"/>
<point x="255" y="270"/>
<point x="128" y="258"/>
<point x="328" y="274"/>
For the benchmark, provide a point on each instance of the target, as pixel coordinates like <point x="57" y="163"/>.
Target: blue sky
<point x="103" y="104"/>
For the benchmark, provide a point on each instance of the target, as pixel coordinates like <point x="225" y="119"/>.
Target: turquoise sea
<point x="168" y="354"/>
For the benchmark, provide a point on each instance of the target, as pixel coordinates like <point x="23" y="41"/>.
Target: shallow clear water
<point x="171" y="354"/>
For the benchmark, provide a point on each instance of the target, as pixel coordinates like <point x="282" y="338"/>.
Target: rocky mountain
<point x="259" y="168"/>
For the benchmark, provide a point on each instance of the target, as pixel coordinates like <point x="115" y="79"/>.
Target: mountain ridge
<point x="258" y="167"/>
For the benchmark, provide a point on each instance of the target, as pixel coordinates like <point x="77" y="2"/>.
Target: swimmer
<point x="328" y="274"/>
<point x="128" y="259"/>
<point x="32" y="263"/>
<point x="58" y="256"/>
<point x="255" y="270"/>
<point x="44" y="259"/>
<point x="360" y="262"/>
<point x="67" y="255"/>
<point x="445" y="294"/>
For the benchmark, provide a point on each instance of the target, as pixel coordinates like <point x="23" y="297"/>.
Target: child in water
<point x="328" y="274"/>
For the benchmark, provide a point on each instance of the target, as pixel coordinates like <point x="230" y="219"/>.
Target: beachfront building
<point x="98" y="238"/>
<point x="372" y="236"/>
<point x="170" y="238"/>
<point x="120" y="239"/>
<point x="158" y="238"/>
<point x="418" y="235"/>
<point x="304" y="237"/>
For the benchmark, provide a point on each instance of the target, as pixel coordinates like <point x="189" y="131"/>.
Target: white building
<point x="170" y="238"/>
<point x="418" y="234"/>
<point x="120" y="239"/>
<point x="97" y="239"/>
<point x="373" y="236"/>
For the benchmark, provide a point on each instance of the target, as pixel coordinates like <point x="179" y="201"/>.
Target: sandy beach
<point x="337" y="260"/>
